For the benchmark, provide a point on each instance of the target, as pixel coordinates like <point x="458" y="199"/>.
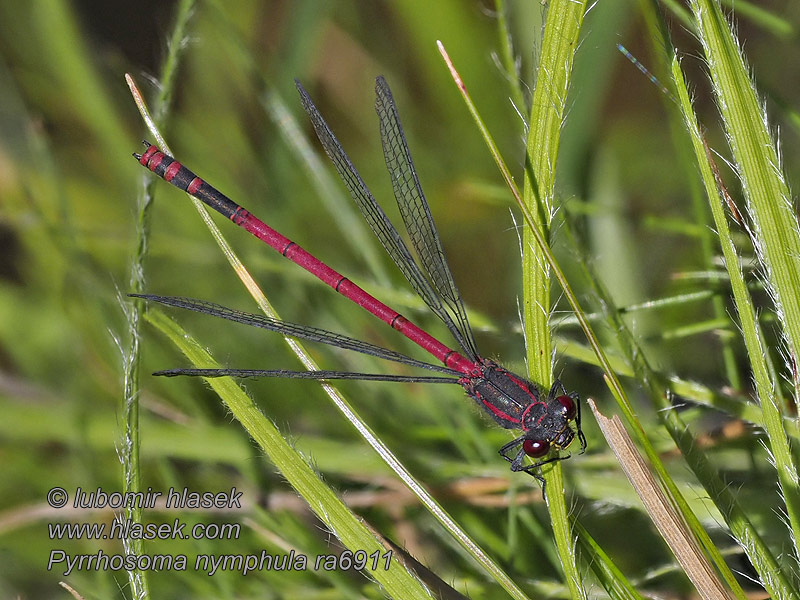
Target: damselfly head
<point x="551" y="427"/>
<point x="561" y="439"/>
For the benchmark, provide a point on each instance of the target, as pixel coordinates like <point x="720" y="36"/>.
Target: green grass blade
<point x="131" y="386"/>
<point x="766" y="192"/>
<point x="608" y="574"/>
<point x="762" y="559"/>
<point x="559" y="43"/>
<point x="398" y="581"/>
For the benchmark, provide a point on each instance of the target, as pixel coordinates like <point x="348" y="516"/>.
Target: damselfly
<point x="511" y="400"/>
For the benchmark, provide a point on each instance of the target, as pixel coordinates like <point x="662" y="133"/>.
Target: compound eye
<point x="536" y="448"/>
<point x="568" y="408"/>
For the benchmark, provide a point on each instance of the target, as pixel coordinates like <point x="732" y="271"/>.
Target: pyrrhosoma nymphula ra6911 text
<point x="512" y="401"/>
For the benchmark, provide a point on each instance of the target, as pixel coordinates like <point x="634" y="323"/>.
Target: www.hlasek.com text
<point x="127" y="529"/>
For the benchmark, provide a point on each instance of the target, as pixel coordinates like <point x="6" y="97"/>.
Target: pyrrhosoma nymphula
<point x="511" y="400"/>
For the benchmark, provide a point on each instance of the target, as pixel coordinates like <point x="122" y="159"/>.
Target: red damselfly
<point x="512" y="401"/>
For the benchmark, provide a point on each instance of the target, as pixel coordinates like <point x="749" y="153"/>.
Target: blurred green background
<point x="69" y="187"/>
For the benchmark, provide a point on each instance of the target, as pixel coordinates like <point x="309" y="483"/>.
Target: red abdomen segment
<point x="175" y="173"/>
<point x="513" y="402"/>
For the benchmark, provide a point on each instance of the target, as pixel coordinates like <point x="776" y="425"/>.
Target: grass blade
<point x="766" y="192"/>
<point x="131" y="388"/>
<point x="763" y="560"/>
<point x="398" y="581"/>
<point x="559" y="43"/>
<point x="611" y="578"/>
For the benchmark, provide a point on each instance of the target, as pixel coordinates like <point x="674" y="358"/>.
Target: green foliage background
<point x="68" y="232"/>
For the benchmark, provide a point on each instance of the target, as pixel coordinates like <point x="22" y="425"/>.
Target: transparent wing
<point x="417" y="214"/>
<point x="301" y="375"/>
<point x="304" y="332"/>
<point x="377" y="219"/>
